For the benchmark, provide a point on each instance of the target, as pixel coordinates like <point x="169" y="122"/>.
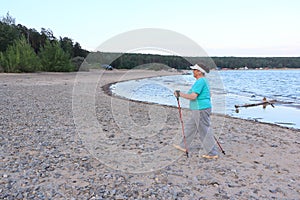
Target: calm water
<point x="229" y="88"/>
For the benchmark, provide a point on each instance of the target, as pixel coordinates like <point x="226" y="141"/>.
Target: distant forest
<point x="25" y="49"/>
<point x="257" y="62"/>
<point x="129" y="61"/>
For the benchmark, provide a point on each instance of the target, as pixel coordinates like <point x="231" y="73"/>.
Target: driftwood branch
<point x="264" y="103"/>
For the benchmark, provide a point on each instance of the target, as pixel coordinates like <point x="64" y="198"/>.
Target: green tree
<point x="19" y="57"/>
<point x="35" y="40"/>
<point x="54" y="59"/>
<point x="78" y="51"/>
<point x="67" y="45"/>
<point x="47" y="34"/>
<point x="1" y="62"/>
<point x="8" y="19"/>
<point x="8" y="32"/>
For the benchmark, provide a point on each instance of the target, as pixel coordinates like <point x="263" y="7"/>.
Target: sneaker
<point x="179" y="148"/>
<point x="210" y="156"/>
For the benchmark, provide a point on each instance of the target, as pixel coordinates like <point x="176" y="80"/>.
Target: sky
<point x="254" y="28"/>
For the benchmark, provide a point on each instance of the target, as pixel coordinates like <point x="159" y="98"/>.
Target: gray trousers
<point x="199" y="125"/>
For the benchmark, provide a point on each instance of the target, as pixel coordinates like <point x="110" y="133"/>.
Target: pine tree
<point x="19" y="57"/>
<point x="54" y="59"/>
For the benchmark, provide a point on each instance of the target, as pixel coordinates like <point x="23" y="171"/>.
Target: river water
<point x="228" y="88"/>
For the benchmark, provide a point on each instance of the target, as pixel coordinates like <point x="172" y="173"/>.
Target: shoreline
<point x="44" y="154"/>
<point x="109" y="92"/>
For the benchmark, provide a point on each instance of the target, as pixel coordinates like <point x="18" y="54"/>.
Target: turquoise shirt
<point x="202" y="101"/>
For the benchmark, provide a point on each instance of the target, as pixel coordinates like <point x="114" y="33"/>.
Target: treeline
<point x="24" y="49"/>
<point x="257" y="62"/>
<point x="132" y="60"/>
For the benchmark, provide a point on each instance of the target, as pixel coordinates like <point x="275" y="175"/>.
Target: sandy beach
<point x="64" y="137"/>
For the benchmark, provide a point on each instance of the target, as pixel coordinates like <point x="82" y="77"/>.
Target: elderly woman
<point x="199" y="122"/>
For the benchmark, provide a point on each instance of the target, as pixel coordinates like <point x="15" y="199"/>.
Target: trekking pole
<point x="182" y="126"/>
<point x="219" y="145"/>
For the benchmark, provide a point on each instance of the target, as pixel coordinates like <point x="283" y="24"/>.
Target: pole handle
<point x="177" y="94"/>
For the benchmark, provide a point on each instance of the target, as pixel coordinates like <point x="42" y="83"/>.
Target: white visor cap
<point x="197" y="67"/>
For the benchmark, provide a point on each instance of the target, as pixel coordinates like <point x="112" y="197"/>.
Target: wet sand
<point x="63" y="137"/>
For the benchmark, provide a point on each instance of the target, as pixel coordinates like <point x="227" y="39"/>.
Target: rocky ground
<point x="62" y="137"/>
